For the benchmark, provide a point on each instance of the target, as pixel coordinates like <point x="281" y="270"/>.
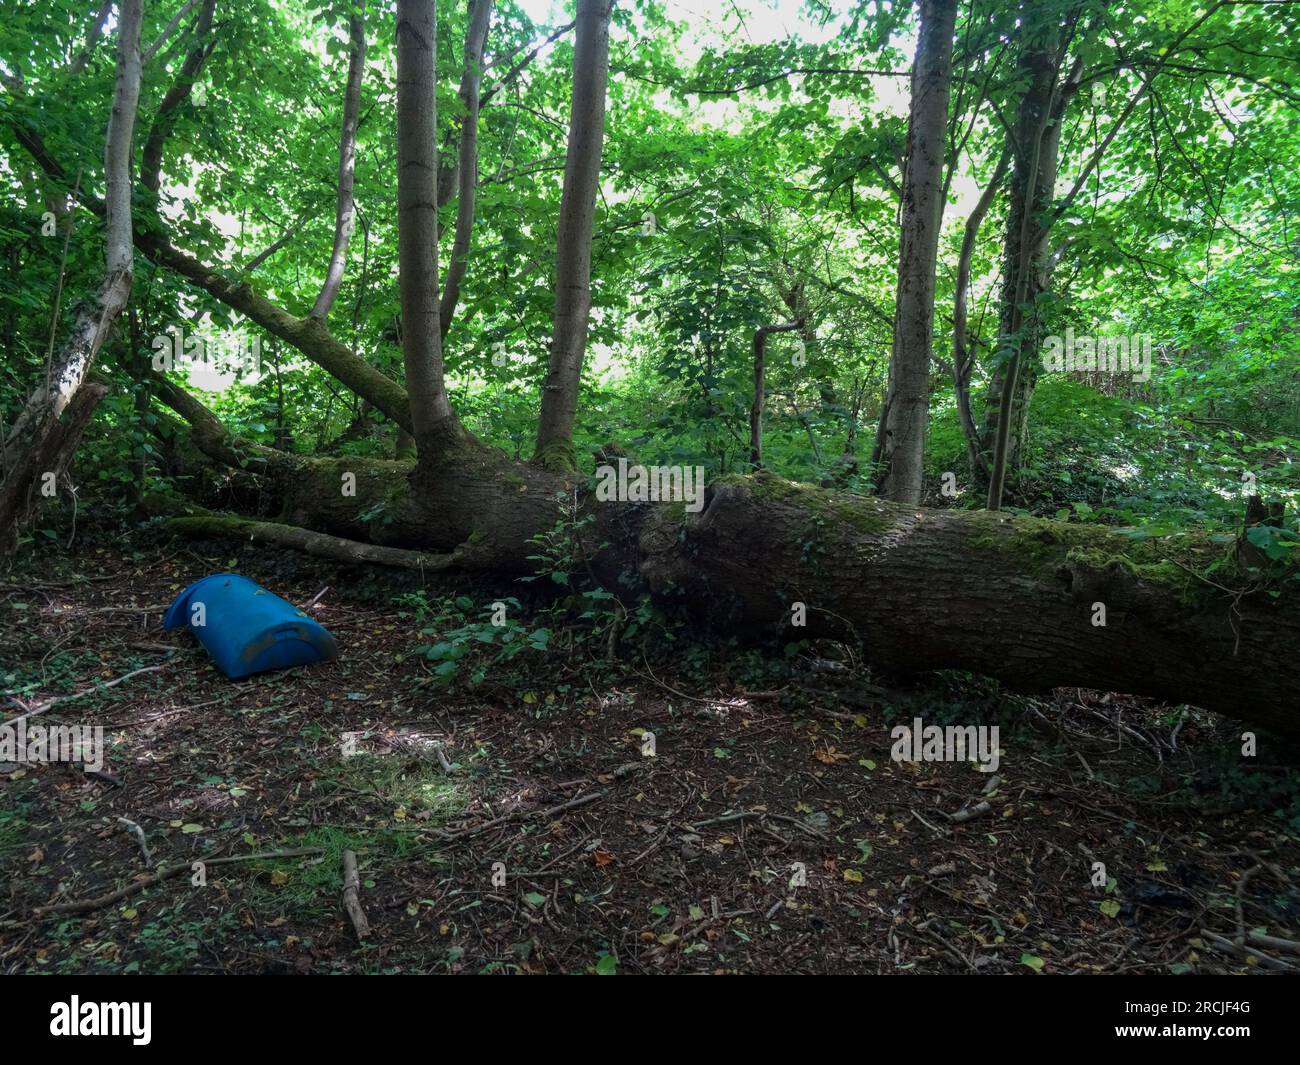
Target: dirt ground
<point x="610" y="860"/>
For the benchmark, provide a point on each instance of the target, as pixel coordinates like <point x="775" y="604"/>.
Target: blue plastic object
<point x="247" y="629"/>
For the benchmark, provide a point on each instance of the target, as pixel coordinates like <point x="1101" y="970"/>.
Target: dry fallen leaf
<point x="829" y="755"/>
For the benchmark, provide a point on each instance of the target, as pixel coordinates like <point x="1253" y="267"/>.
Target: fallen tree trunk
<point x="1036" y="604"/>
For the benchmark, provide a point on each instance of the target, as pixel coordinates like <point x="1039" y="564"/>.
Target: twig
<point x="962" y="816"/>
<point x="763" y="815"/>
<point x="140" y="838"/>
<point x="152" y="608"/>
<point x="932" y="828"/>
<point x="579" y="800"/>
<point x="1238" y="907"/>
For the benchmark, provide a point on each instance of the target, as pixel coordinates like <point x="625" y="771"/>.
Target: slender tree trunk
<point x="1027" y="272"/>
<point x="151" y="156"/>
<point x="573" y="245"/>
<point x="345" y="211"/>
<point x="173" y="24"/>
<point x="480" y="16"/>
<point x="92" y="38"/>
<point x="417" y="217"/>
<point x="34" y="445"/>
<point x="139" y="361"/>
<point x="963" y="345"/>
<point x="756" y="408"/>
<point x="1036" y="143"/>
<point x="903" y="450"/>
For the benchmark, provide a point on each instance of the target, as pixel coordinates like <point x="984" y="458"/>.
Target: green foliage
<point x="769" y="166"/>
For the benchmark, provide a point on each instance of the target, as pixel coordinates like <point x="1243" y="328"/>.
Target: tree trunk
<point x="417" y="214"/>
<point x="756" y="408"/>
<point x="1036" y="143"/>
<point x="1011" y="384"/>
<point x="573" y="244"/>
<point x="964" y="345"/>
<point x="151" y="156"/>
<point x="345" y="211"/>
<point x="903" y="443"/>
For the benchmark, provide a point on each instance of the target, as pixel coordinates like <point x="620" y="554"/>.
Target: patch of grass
<point x="409" y="790"/>
<point x="415" y="785"/>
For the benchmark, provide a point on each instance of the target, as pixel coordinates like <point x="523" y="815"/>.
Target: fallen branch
<point x="40" y="708"/>
<point x="1227" y="946"/>
<point x="564" y="807"/>
<point x="762" y="815"/>
<point x="152" y="608"/>
<point x="165" y="873"/>
<point x="1273" y="943"/>
<point x="351" y="886"/>
<point x="322" y="545"/>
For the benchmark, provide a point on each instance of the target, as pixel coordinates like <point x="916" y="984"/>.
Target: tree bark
<point x="172" y="26"/>
<point x="903" y="446"/>
<point x="92" y="38"/>
<point x="573" y="244"/>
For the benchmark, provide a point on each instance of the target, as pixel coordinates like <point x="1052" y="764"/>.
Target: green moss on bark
<point x="558" y="456"/>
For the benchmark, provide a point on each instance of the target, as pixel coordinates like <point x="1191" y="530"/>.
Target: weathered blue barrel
<point x="247" y="629"/>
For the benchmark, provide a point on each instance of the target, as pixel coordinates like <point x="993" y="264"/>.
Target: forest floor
<point x="613" y="861"/>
